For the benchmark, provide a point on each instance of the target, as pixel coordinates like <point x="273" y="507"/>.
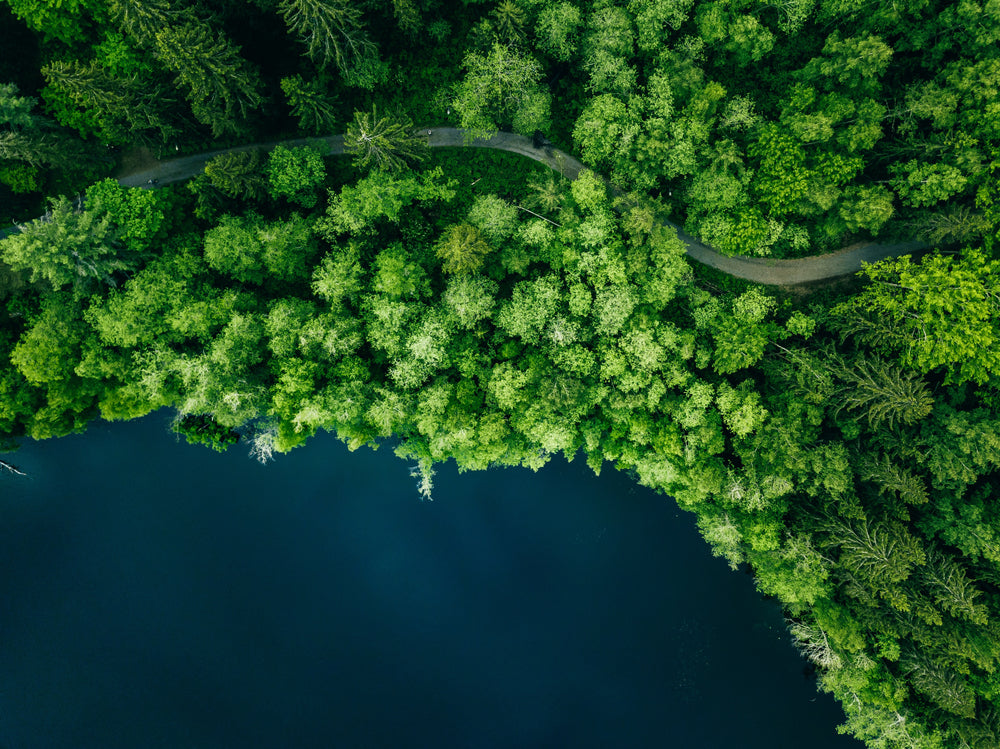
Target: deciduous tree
<point x="462" y="249"/>
<point x="295" y="174"/>
<point x="942" y="312"/>
<point x="501" y="89"/>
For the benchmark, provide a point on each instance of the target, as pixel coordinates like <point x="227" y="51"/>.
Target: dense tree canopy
<point x="843" y="444"/>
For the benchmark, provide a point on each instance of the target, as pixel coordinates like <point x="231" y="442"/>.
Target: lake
<point x="156" y="595"/>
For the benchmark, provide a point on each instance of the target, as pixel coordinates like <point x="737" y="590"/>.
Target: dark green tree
<point x="123" y="108"/>
<point x="238" y="174"/>
<point x="386" y="142"/>
<point x="332" y="30"/>
<point x="220" y="85"/>
<point x="311" y="103"/>
<point x="883" y="393"/>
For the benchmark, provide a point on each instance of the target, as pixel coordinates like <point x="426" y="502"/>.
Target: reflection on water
<point x="158" y="595"/>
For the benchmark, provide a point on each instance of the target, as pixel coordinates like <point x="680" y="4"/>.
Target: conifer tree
<point x="942" y="685"/>
<point x="141" y="19"/>
<point x="124" y="107"/>
<point x="309" y="101"/>
<point x="952" y="588"/>
<point x="221" y="88"/>
<point x="68" y="247"/>
<point x="238" y="174"/>
<point x="26" y="136"/>
<point x="884" y="393"/>
<point x="383" y="142"/>
<point x="509" y="19"/>
<point x="895" y="480"/>
<point x="40" y="147"/>
<point x="332" y="30"/>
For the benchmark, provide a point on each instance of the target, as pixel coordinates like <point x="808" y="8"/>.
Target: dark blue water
<point x="157" y="595"/>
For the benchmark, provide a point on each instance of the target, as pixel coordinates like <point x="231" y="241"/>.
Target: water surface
<point x="158" y="595"/>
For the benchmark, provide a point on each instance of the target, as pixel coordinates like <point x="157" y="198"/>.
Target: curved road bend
<point x="758" y="270"/>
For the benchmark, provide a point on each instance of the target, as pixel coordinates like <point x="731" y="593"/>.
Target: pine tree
<point x="895" y="480"/>
<point x="309" y="101"/>
<point x="884" y="393"/>
<point x="332" y="30"/>
<point x="953" y="225"/>
<point x="509" y="19"/>
<point x="221" y="87"/>
<point x="123" y="107"/>
<point x="43" y="148"/>
<point x="880" y="554"/>
<point x="952" y="588"/>
<point x="942" y="685"/>
<point x="141" y="19"/>
<point x="67" y="247"/>
<point x="383" y="142"/>
<point x="238" y="174"/>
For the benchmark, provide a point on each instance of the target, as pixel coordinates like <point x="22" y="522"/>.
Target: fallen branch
<point x="12" y="469"/>
<point x="521" y="207"/>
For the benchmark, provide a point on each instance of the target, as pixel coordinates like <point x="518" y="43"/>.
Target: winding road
<point x="759" y="270"/>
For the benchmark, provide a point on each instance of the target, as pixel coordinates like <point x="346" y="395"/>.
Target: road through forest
<point x="758" y="270"/>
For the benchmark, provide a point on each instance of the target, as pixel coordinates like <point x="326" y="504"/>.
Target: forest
<point x="841" y="441"/>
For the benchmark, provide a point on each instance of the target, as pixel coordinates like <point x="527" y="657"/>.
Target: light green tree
<point x="296" y="174"/>
<point x="941" y="312"/>
<point x="139" y="216"/>
<point x="68" y="21"/>
<point x="250" y="249"/>
<point x="462" y="249"/>
<point x="501" y="89"/>
<point x="67" y="247"/>
<point x="141" y="19"/>
<point x="558" y="29"/>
